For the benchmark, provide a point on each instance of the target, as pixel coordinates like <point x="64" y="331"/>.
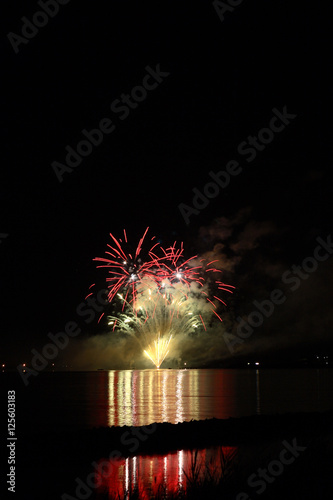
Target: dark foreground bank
<point x="48" y="464"/>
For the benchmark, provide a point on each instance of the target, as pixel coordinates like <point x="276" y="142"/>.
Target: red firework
<point x="128" y="272"/>
<point x="172" y="266"/>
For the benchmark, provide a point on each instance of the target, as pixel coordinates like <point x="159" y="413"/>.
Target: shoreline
<point x="161" y="438"/>
<point x="59" y="458"/>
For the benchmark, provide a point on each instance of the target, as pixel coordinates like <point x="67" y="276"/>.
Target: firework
<point x="174" y="268"/>
<point x="158" y="350"/>
<point x="160" y="295"/>
<point x="167" y="314"/>
<point x="125" y="268"/>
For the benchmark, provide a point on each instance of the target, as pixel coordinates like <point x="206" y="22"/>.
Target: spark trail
<point x="158" y="293"/>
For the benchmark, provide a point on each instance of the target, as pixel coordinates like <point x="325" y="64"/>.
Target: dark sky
<point x="224" y="80"/>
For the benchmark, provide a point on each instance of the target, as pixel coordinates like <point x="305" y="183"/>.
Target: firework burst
<point x="175" y="269"/>
<point x="158" y="350"/>
<point x="126" y="268"/>
<point x="160" y="295"/>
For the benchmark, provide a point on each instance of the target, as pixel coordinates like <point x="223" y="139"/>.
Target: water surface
<point x="153" y="475"/>
<point x="140" y="397"/>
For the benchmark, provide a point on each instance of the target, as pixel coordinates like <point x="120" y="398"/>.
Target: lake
<point x="70" y="400"/>
<point x="153" y="475"/>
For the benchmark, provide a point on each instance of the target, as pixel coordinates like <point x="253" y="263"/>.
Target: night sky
<point x="219" y="82"/>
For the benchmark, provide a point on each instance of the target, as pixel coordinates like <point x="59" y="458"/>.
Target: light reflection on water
<point x="142" y="397"/>
<point x="257" y="392"/>
<point x="151" y="475"/>
<point x="138" y="397"/>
